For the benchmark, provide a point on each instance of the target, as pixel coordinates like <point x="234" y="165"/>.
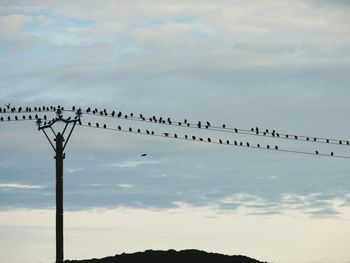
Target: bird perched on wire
<point x="8" y="105"/>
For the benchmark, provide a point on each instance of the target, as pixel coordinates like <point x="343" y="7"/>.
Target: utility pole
<point x="59" y="156"/>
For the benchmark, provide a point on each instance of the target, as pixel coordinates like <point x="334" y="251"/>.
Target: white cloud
<point x="20" y="186"/>
<point x="130" y="164"/>
<point x="127" y="186"/>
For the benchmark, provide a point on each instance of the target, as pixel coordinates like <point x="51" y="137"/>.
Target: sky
<point x="271" y="64"/>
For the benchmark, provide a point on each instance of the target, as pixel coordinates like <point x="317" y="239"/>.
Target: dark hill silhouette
<point x="170" y="256"/>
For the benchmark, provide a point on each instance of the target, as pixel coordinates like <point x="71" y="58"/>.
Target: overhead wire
<point x="208" y="140"/>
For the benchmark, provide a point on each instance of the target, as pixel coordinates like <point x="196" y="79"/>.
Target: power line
<point x="211" y="141"/>
<point x="185" y="124"/>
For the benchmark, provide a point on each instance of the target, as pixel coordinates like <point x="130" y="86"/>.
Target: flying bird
<point x="8" y="105"/>
<point x="144" y="154"/>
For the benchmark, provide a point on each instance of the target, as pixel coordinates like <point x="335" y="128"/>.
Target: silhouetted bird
<point x="209" y="140"/>
<point x="193" y="137"/>
<point x="235" y="143"/>
<point x="147" y="131"/>
<point x="332" y="153"/>
<point x="268" y="146"/>
<point x="132" y="114"/>
<point x="8" y="118"/>
<point x="248" y="144"/>
<point x="276" y="147"/>
<point x="179" y="123"/>
<point x="224" y="126"/>
<point x="340" y="142"/>
<point x="73" y="108"/>
<point x="236" y="130"/>
<point x="315" y="139"/>
<point x="97" y="125"/>
<point x="130" y="129"/>
<point x="188" y="125"/>
<point x="166" y="134"/>
<point x="89" y="123"/>
<point x="258" y="145"/>
<point x="307" y="138"/>
<point x="241" y="144"/>
<point x="119" y="114"/>
<point x="16" y="118"/>
<point x="220" y="141"/>
<point x="252" y="129"/>
<point x="327" y="140"/>
<point x="104" y="126"/>
<point x="316" y="152"/>
<point x="199" y="124"/>
<point x="113" y="113"/>
<point x="264" y="133"/>
<point x="119" y="128"/>
<point x="8" y="105"/>
<point x="296" y="137"/>
<point x="287" y="136"/>
<point x="227" y="142"/>
<point x="152" y="132"/>
<point x="175" y="135"/>
<point x="144" y="154"/>
<point x="185" y="121"/>
<point x="347" y="142"/>
<point x="186" y="136"/>
<point x="169" y="121"/>
<point x="208" y="123"/>
<point x="201" y="139"/>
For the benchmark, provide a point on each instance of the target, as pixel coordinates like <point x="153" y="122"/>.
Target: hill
<point x="170" y="256"/>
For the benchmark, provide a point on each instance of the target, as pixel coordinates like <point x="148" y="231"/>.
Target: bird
<point x="316" y="152"/>
<point x="224" y="126"/>
<point x="97" y="125"/>
<point x="144" y="154"/>
<point x="208" y="123"/>
<point x="268" y="146"/>
<point x="236" y="130"/>
<point x="209" y="140"/>
<point x="201" y="139"/>
<point x="138" y="130"/>
<point x="247" y="144"/>
<point x="199" y="124"/>
<point x="104" y="126"/>
<point x="235" y="142"/>
<point x="332" y="153"/>
<point x="8" y="105"/>
<point x="186" y="136"/>
<point x="119" y="128"/>
<point x="147" y="131"/>
<point x="193" y="137"/>
<point x="258" y="145"/>
<point x="166" y="134"/>
<point x="296" y="137"/>
<point x="340" y="142"/>
<point x="327" y="140"/>
<point x="220" y="141"/>
<point x="276" y="147"/>
<point x="175" y="135"/>
<point x="227" y="142"/>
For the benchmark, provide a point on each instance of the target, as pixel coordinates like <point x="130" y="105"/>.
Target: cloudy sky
<point x="272" y="64"/>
